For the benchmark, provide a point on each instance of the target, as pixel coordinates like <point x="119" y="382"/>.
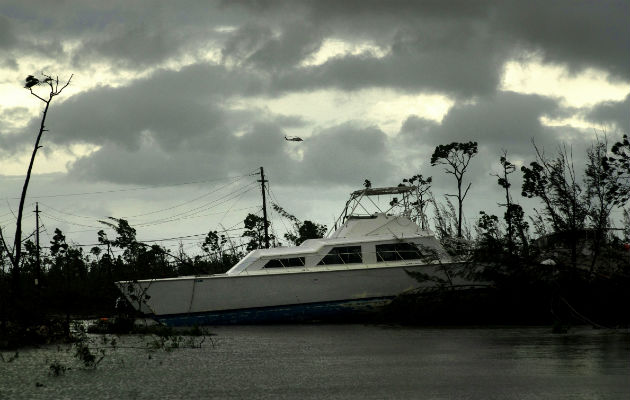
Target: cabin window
<point x="397" y="252"/>
<point x="285" y="262"/>
<point x="343" y="255"/>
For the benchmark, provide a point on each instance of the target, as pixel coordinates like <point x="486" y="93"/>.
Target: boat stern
<point x="136" y="294"/>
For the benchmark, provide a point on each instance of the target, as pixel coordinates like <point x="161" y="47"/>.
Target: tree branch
<point x="35" y="94"/>
<point x="466" y="192"/>
<point x="6" y="248"/>
<point x="64" y="86"/>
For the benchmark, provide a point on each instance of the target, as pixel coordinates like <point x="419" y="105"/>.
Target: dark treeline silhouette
<point x="69" y="281"/>
<point x="65" y="281"/>
<point x="573" y="267"/>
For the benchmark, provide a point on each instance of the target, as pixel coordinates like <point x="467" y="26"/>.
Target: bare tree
<point x="54" y="88"/>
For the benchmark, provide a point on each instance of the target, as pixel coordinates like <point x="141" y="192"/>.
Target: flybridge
<point x="382" y="191"/>
<point x="377" y="225"/>
<point x="354" y="204"/>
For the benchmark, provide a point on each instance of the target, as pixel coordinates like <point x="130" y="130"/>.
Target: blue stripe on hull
<point x="286" y="313"/>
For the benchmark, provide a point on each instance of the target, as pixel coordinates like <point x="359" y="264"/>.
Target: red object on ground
<point x="626" y="246"/>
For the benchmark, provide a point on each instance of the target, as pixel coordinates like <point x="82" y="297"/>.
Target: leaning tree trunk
<point x="18" y="225"/>
<point x="15" y="255"/>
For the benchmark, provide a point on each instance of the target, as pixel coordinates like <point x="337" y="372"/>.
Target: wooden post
<point x="265" y="221"/>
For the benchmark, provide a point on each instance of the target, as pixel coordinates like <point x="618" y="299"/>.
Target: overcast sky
<point x="173" y="105"/>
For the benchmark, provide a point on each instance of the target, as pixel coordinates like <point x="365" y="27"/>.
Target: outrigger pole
<point x="265" y="221"/>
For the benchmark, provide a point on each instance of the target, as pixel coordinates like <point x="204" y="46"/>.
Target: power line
<point x="190" y="201"/>
<point x="273" y="196"/>
<point x="59" y="219"/>
<point x="233" y="204"/>
<point x="63" y="221"/>
<point x="160" y="240"/>
<point x="195" y="211"/>
<point x="67" y="213"/>
<point x="138" y="215"/>
<point x="128" y="189"/>
<point x="233" y="196"/>
<point x="182" y="215"/>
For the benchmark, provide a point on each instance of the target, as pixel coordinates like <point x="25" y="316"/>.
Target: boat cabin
<point x="376" y="240"/>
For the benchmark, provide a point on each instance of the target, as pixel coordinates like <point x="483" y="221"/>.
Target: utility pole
<point x="39" y="266"/>
<point x="265" y="221"/>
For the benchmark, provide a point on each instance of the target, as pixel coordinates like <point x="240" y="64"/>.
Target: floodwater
<point x="339" y="362"/>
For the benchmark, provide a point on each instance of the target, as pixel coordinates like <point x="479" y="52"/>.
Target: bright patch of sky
<point x="583" y="89"/>
<point x="332" y="48"/>
<point x="54" y="160"/>
<point x="225" y="28"/>
<point x="576" y="90"/>
<point x="385" y="108"/>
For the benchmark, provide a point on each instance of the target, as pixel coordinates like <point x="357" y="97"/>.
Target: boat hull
<point x="275" y="297"/>
<point x="344" y="310"/>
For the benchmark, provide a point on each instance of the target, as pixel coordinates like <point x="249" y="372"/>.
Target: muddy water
<point x="340" y="362"/>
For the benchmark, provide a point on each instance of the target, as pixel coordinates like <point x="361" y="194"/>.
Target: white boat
<point x="361" y="266"/>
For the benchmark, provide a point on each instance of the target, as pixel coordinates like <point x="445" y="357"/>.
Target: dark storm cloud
<point x="580" y="34"/>
<point x="456" y="57"/>
<point x="346" y="154"/>
<point x="415" y="127"/>
<point x="7" y="38"/>
<point x="246" y="41"/>
<point x="175" y="107"/>
<point x="259" y="46"/>
<point x="10" y="63"/>
<point x="291" y="121"/>
<point x="149" y="164"/>
<point x="20" y="35"/>
<point x="460" y="46"/>
<point x="9" y="115"/>
<point x="577" y="33"/>
<point x="10" y="137"/>
<point x="408" y="68"/>
<point x="127" y="34"/>
<point x="612" y="112"/>
<point x="456" y="47"/>
<point x="340" y="155"/>
<point x="262" y="144"/>
<point x="505" y="120"/>
<point x="138" y="45"/>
